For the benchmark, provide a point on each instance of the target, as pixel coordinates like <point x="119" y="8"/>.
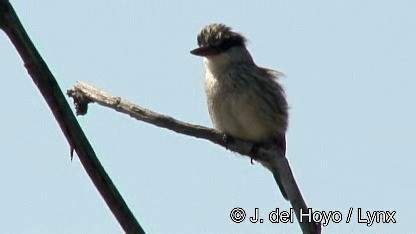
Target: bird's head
<point x="219" y="44"/>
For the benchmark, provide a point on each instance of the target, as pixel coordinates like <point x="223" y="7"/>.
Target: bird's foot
<point x="227" y="138"/>
<point x="253" y="152"/>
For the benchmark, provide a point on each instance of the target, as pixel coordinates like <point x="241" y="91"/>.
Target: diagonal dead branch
<point x="268" y="154"/>
<point x="52" y="93"/>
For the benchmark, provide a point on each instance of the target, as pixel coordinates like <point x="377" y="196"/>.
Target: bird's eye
<point x="226" y="44"/>
<point x="214" y="42"/>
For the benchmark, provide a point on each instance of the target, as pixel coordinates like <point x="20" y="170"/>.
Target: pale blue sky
<point x="350" y="82"/>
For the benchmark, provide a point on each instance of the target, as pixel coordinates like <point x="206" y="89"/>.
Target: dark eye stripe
<point x="230" y="42"/>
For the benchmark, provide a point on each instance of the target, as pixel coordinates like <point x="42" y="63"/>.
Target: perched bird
<point x="244" y="100"/>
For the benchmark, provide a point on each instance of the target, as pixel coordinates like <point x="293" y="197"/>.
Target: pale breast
<point x="233" y="110"/>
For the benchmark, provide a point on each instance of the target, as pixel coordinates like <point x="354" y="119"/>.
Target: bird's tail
<point x="279" y="183"/>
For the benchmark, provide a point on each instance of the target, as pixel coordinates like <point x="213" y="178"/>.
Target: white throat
<point x="218" y="64"/>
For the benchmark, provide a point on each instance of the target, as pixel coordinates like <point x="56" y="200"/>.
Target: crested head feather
<point x="220" y="36"/>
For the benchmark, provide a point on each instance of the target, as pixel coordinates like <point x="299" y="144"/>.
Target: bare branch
<point x="84" y="93"/>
